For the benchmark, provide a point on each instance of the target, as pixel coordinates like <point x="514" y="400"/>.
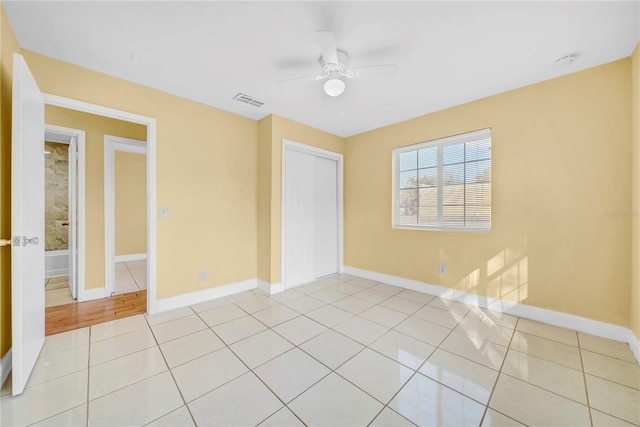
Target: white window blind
<point x="444" y="184"/>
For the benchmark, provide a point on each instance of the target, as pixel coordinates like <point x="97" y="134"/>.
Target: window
<point x="444" y="184"/>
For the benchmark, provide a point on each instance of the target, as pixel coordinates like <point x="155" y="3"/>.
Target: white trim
<point x="61" y="260"/>
<point x="276" y="288"/>
<point x="111" y="145"/>
<point x="339" y="159"/>
<point x="634" y="343"/>
<point x="5" y="366"/>
<point x="150" y="123"/>
<point x="204" y="295"/>
<point x="91" y="294"/>
<point x="460" y="138"/>
<point x="74" y="104"/>
<point x="64" y="135"/>
<point x="48" y="274"/>
<point x="130" y="257"/>
<point x="440" y="143"/>
<point x="264" y="286"/>
<point x="564" y="320"/>
<point x="270" y="288"/>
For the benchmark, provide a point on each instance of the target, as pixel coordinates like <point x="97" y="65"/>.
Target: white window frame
<point x="440" y="143"/>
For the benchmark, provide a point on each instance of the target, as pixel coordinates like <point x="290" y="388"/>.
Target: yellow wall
<point x="281" y="128"/>
<point x="8" y="45"/>
<point x="206" y="174"/>
<point x="130" y="203"/>
<point x="635" y="188"/>
<point x="95" y="127"/>
<point x="560" y="160"/>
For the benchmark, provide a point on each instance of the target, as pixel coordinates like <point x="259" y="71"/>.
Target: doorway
<point x="150" y="124"/>
<point x="64" y="153"/>
<point x="311" y="214"/>
<point x="125" y="199"/>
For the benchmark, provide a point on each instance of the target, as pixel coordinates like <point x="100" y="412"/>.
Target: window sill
<point x="439" y="228"/>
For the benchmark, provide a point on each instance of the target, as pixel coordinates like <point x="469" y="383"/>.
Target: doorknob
<point x="33" y="240"/>
<point x="5" y="242"/>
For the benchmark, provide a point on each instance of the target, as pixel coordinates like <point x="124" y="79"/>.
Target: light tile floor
<point x="344" y="351"/>
<point x="131" y="276"/>
<point x="56" y="291"/>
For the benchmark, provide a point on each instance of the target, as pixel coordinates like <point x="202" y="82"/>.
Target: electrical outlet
<point x="443" y="268"/>
<point x="203" y="275"/>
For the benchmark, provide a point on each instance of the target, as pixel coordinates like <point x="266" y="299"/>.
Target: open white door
<point x="73" y="217"/>
<point x="27" y="224"/>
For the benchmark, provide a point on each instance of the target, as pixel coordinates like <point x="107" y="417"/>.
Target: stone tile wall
<point x="56" y="215"/>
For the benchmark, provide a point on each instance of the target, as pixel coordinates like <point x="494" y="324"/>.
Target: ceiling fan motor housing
<point x="343" y="59"/>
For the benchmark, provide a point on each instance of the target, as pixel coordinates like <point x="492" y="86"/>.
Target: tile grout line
<point x="271" y="328"/>
<point x="88" y="375"/>
<point x="493" y="389"/>
<point x="54" y="379"/>
<point x="170" y="373"/>
<point x="331" y="370"/>
<point x="416" y="371"/>
<point x="132" y="276"/>
<point x="561" y="366"/>
<point x="251" y="370"/>
<point x="383" y="355"/>
<point x="584" y="378"/>
<point x="228" y="346"/>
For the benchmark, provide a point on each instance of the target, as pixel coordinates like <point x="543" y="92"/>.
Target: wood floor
<point x="77" y="315"/>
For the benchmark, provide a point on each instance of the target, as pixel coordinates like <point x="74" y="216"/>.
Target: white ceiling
<point x="448" y="53"/>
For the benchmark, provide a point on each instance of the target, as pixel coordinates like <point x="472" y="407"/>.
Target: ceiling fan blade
<point x="375" y="71"/>
<point x="303" y="79"/>
<point x="327" y="42"/>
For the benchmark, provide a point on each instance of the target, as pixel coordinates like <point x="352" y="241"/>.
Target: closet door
<point x="300" y="258"/>
<point x="326" y="217"/>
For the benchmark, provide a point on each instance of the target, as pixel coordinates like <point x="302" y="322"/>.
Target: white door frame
<point x="337" y="157"/>
<point x="111" y="145"/>
<point x="64" y="135"/>
<point x="150" y="123"/>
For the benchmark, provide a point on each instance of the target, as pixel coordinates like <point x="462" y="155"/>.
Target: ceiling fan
<point x="334" y="67"/>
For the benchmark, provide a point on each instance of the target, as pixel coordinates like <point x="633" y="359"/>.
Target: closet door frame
<point x="319" y="152"/>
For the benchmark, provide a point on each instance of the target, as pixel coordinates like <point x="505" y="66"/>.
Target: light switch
<point x="164" y="212"/>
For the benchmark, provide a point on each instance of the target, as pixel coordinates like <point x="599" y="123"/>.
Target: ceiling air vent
<point x="246" y="99"/>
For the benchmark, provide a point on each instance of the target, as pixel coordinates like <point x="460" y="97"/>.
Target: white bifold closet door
<point x="311" y="217"/>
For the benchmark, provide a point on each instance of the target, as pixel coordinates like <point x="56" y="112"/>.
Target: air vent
<point x="246" y="99"/>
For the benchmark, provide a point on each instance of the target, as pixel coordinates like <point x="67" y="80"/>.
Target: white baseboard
<point x="264" y="286"/>
<point x="56" y="263"/>
<point x="634" y="343"/>
<point x="192" y="298"/>
<point x="91" y="294"/>
<point x="564" y="320"/>
<point x="56" y="273"/>
<point x="130" y="257"/>
<point x="5" y="367"/>
<point x="270" y="288"/>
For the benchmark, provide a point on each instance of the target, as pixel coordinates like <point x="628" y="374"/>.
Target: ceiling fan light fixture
<point x="334" y="87"/>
